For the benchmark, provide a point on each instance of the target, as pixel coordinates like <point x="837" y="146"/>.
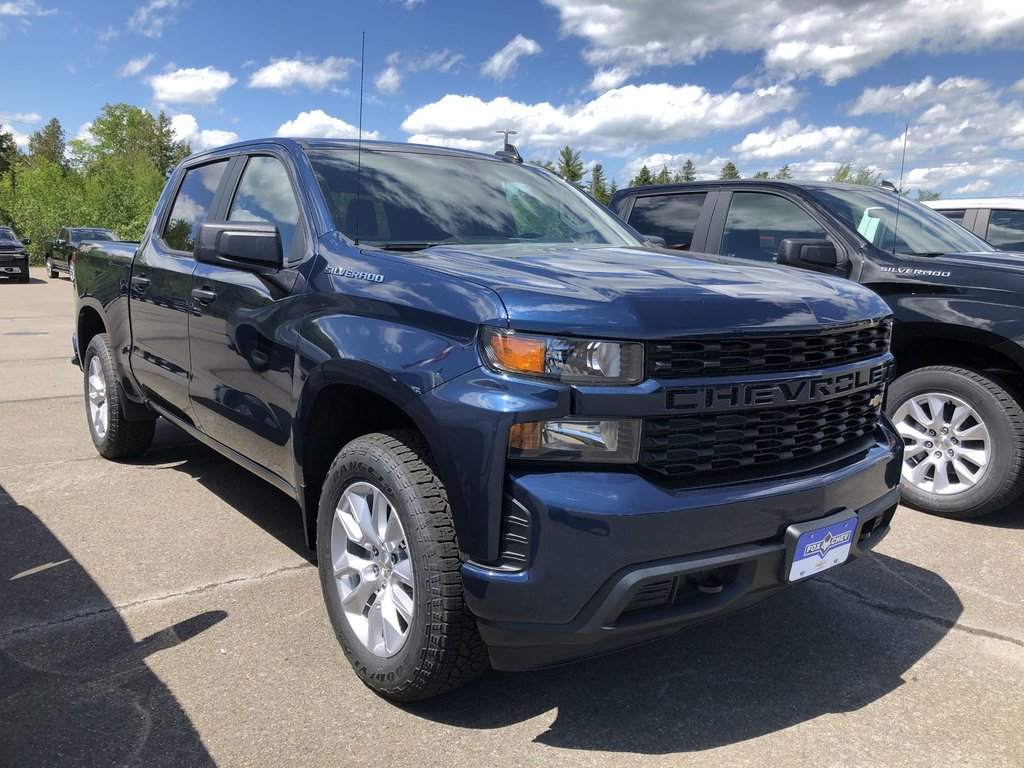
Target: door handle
<point x="203" y="295"/>
<point x="140" y="281"/>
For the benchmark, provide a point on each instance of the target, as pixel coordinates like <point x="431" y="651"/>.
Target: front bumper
<point x="14" y="268"/>
<point x="614" y="559"/>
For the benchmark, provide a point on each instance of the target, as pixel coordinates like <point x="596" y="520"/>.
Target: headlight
<point x="608" y="441"/>
<point x="573" y="361"/>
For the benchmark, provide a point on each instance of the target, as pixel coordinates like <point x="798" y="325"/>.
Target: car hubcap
<point x="372" y="569"/>
<point x="947" y="447"/>
<point x="98" y="408"/>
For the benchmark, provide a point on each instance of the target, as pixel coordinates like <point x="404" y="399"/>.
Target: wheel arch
<point x="918" y="345"/>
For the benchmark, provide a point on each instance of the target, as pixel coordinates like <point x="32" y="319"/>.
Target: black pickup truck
<point x="514" y="429"/>
<point x="62" y="251"/>
<point x="958" y="306"/>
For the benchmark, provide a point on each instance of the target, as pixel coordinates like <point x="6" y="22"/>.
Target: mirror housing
<point x="816" y="255"/>
<point x="656" y="240"/>
<point x="26" y="241"/>
<point x="251" y="245"/>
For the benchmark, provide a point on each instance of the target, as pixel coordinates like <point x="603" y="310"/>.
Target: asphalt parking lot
<point x="165" y="611"/>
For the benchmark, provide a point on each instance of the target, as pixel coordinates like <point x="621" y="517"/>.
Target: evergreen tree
<point x="167" y="151"/>
<point x="760" y="175"/>
<point x="784" y="173"/>
<point x="643" y="178"/>
<point x="543" y="164"/>
<point x="729" y="171"/>
<point x="598" y="186"/>
<point x="663" y="177"/>
<point x="48" y="143"/>
<point x="689" y="173"/>
<point x="612" y="189"/>
<point x="927" y="194"/>
<point x="570" y="165"/>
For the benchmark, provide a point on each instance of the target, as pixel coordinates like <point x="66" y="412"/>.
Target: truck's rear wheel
<point x="114" y="436"/>
<point x="389" y="568"/>
<point x="49" y="268"/>
<point x="963" y="436"/>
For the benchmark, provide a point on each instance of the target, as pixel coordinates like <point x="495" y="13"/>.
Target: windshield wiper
<point x="927" y="253"/>
<point x="403" y="246"/>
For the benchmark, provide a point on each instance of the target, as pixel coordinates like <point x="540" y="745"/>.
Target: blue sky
<point x="811" y="83"/>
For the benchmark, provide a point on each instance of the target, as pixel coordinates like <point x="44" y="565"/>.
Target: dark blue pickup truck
<point x="516" y="430"/>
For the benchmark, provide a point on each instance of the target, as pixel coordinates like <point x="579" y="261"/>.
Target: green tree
<point x="643" y="178"/>
<point x="45" y="198"/>
<point x="760" y="175"/>
<point x="862" y="175"/>
<point x="729" y="171"/>
<point x="123" y="130"/>
<point x="49" y="144"/>
<point x="543" y="164"/>
<point x="167" y="151"/>
<point x="663" y="176"/>
<point x="598" y="186"/>
<point x="928" y="194"/>
<point x="570" y="165"/>
<point x="612" y="189"/>
<point x="8" y="150"/>
<point x="784" y="173"/>
<point x="689" y="173"/>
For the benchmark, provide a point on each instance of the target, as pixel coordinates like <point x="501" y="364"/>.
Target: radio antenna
<point x="359" y="140"/>
<point x="899" y="189"/>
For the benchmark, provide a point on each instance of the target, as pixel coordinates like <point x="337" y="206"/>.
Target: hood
<point x="613" y="292"/>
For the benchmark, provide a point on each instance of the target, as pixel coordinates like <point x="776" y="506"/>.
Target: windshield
<point x="7" y="237"/>
<point x="412" y="200"/>
<point x="917" y="230"/>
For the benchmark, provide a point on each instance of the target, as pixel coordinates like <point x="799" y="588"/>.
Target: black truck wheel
<point x="389" y="568"/>
<point x="49" y="268"/>
<point x="114" y="436"/>
<point x="963" y="436"/>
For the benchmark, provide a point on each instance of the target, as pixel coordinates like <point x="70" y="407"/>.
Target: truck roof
<point x="303" y="144"/>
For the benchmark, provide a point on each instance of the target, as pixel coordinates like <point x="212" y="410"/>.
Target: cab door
<point x="242" y="358"/>
<point x="159" y="291"/>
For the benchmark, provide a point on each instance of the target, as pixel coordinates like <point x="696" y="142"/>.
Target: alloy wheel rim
<point x="372" y="569"/>
<point x="947" y="445"/>
<point x="99" y="409"/>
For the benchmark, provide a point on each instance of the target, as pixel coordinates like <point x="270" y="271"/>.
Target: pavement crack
<point x="910" y="613"/>
<point x="86" y="615"/>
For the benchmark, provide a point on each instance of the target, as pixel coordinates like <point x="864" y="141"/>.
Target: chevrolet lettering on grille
<point x="724" y="397"/>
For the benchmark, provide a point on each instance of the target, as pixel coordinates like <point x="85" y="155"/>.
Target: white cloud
<point x="24" y="8"/>
<point x="186" y="128"/>
<point x="609" y="123"/>
<point x="389" y="80"/>
<point x="831" y="39"/>
<point x="283" y="74"/>
<point x="504" y="62"/>
<point x="190" y="86"/>
<point x="150" y="18"/>
<point x="908" y="98"/>
<point x="135" y="66"/>
<point x="790" y="139"/>
<point x="318" y="124"/>
<point x="974" y="188"/>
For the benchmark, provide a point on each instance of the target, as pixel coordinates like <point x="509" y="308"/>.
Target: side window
<point x="956" y="216"/>
<point x="1006" y="230"/>
<point x="265" y="194"/>
<point x="672" y="217"/>
<point x="63" y="235"/>
<point x="757" y="223"/>
<point x="192" y="205"/>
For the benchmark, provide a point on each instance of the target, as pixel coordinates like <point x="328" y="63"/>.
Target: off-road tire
<point x="1003" y="480"/>
<point x="122" y="438"/>
<point x="443" y="649"/>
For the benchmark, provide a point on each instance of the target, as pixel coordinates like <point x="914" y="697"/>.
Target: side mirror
<point x="26" y="241"/>
<point x="58" y="241"/>
<point x="250" y="245"/>
<point x="817" y="255"/>
<point x="656" y="241"/>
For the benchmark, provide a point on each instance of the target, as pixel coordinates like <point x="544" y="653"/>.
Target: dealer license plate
<point x="819" y="549"/>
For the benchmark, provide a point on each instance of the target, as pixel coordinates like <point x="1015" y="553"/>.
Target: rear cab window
<point x="192" y="205"/>
<point x="672" y="217"/>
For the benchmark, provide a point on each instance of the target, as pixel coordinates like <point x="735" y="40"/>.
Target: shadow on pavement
<point x="75" y="686"/>
<point x="825" y="646"/>
<point x="273" y="511"/>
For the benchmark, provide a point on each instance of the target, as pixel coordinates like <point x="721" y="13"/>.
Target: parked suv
<point x="13" y="258"/>
<point x="997" y="220"/>
<point x="958" y="307"/>
<point x="63" y="249"/>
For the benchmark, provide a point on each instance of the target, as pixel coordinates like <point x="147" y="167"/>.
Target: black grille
<point x="682" y="446"/>
<point x="787" y="352"/>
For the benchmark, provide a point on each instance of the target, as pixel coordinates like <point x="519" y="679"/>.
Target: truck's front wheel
<point x="114" y="436"/>
<point x="963" y="436"/>
<point x="390" y="570"/>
